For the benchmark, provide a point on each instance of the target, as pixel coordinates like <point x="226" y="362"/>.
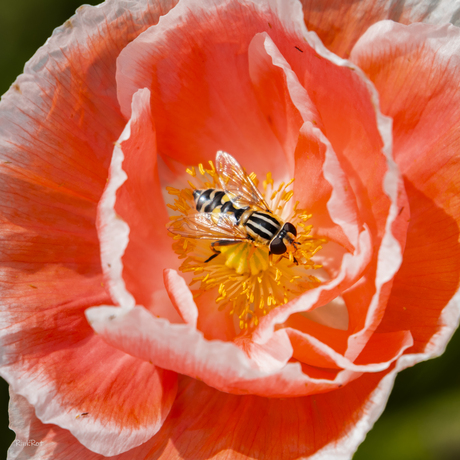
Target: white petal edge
<point x="348" y="444"/>
<point x="113" y="231"/>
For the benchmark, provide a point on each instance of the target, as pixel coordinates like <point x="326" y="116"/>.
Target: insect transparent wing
<point x="208" y="226"/>
<point x="237" y="184"/>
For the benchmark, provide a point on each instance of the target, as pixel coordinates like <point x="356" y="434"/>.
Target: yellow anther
<point x="278" y="275"/>
<point x="287" y="196"/>
<point x="173" y="191"/>
<point x="247" y="280"/>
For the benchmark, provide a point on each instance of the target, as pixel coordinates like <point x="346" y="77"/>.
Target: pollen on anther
<point x="248" y="282"/>
<point x="173" y="191"/>
<point x="278" y="275"/>
<point x="287" y="196"/>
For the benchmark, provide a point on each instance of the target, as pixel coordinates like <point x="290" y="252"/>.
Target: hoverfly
<point x="236" y="213"/>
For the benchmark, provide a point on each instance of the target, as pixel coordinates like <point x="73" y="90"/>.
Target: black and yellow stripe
<point x="214" y="200"/>
<point x="262" y="225"/>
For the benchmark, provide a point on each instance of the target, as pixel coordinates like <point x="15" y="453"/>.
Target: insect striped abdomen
<point x="208" y="200"/>
<point x="214" y="200"/>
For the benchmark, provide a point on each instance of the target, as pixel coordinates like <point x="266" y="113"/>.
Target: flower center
<point x="217" y="248"/>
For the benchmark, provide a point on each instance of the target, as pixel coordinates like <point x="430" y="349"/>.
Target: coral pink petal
<point x="132" y="218"/>
<point x="61" y="381"/>
<point x="222" y="365"/>
<point x="38" y="441"/>
<point x="380" y="351"/>
<point x="374" y="185"/>
<point x="217" y="109"/>
<point x="426" y="144"/>
<point x="56" y="136"/>
<point x="223" y="426"/>
<point x="340" y="23"/>
<point x="274" y="354"/>
<point x="214" y="324"/>
<point x="181" y="297"/>
<point x="354" y="130"/>
<point x="287" y="105"/>
<point x="267" y="71"/>
<point x="200" y="313"/>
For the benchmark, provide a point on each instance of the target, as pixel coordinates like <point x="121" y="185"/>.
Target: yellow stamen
<point x="248" y="281"/>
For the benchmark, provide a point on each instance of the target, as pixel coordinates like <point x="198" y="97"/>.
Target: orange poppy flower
<point x="123" y="339"/>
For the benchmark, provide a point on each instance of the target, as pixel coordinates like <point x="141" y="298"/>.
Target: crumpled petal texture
<point x="361" y="209"/>
<point x="107" y="350"/>
<point x="55" y="148"/>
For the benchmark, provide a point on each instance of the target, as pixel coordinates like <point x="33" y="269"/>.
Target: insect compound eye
<point x="277" y="246"/>
<point x="288" y="227"/>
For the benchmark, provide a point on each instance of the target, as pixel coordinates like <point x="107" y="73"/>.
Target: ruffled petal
<point x="132" y="218"/>
<point x="60" y="379"/>
<point x="224" y="426"/>
<point x="340" y="23"/>
<point x="371" y="194"/>
<point x="426" y="144"/>
<point x="38" y="441"/>
<point x="221" y="426"/>
<point x="56" y="135"/>
<point x="194" y="43"/>
<point x="379" y="353"/>
<point x="355" y="159"/>
<point x="222" y="365"/>
<point x="181" y="297"/>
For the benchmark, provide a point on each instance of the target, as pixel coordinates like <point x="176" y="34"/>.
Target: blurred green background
<point x="422" y="418"/>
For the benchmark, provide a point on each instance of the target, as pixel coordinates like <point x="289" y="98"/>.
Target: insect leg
<point x="219" y="243"/>
<point x="212" y="257"/>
